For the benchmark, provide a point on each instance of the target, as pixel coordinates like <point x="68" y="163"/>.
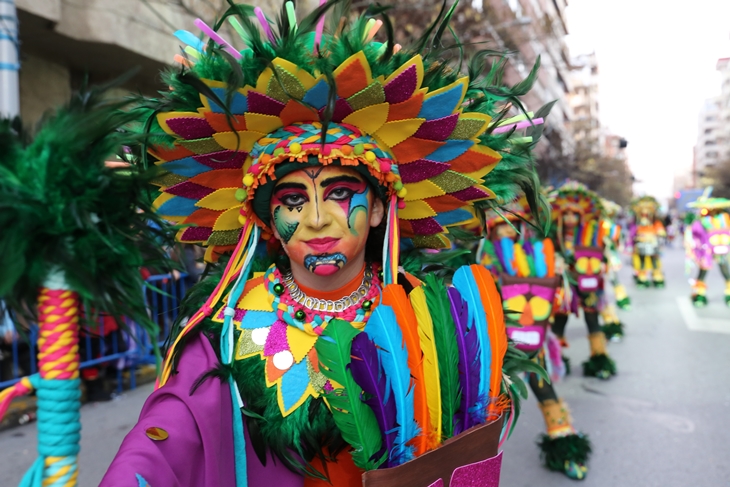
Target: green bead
<point x="241" y="194"/>
<point x="278" y="152"/>
<point x="299" y="315"/>
<point x="366" y="305"/>
<point x="278" y="289"/>
<point x="359" y="149"/>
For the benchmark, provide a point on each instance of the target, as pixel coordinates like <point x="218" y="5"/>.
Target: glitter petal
<point x="224" y="237"/>
<point x="226" y="159"/>
<point x="402" y="86"/>
<point x="372" y="95"/>
<point x="426" y="226"/>
<point x="421" y="169"/>
<point x="451" y="181"/>
<point x="196" y="234"/>
<point x="471" y="193"/>
<point x="467" y="128"/>
<point x="439" y="129"/>
<point x="258" y="103"/>
<point x="276" y="341"/>
<point x="189" y="190"/>
<point x="190" y="127"/>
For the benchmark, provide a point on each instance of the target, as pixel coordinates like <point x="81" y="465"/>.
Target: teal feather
<point x="383" y="328"/>
<point x="356" y="420"/>
<point x="447" y="350"/>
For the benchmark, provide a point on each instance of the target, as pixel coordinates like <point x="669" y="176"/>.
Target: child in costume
<point x="647" y="233"/>
<point x="524" y="267"/>
<point x="707" y="241"/>
<point x="330" y="366"/>
<point x="612" y="327"/>
<point x="578" y="234"/>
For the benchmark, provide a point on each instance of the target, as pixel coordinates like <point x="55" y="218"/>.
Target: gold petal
<point x="415" y="210"/>
<point x="369" y="119"/>
<point x="242" y="143"/>
<point x="422" y="190"/>
<point x="221" y="199"/>
<point x="393" y="133"/>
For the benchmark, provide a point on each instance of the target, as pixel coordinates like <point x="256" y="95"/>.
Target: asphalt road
<point x="663" y="421"/>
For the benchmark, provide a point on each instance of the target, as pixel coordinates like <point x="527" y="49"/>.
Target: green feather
<point x="354" y="418"/>
<point x="447" y="351"/>
<point x="62" y="210"/>
<point x="489" y="250"/>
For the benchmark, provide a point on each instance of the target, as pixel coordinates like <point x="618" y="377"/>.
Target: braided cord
<point x="58" y="392"/>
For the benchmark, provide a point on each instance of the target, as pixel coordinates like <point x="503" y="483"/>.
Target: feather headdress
<point x="434" y="141"/>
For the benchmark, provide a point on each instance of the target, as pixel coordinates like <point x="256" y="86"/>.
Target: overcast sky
<point x="657" y="65"/>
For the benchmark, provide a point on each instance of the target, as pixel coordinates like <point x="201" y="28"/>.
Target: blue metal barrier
<point x="104" y="348"/>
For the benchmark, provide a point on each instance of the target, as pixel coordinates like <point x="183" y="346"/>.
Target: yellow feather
<point x="430" y="363"/>
<point x="521" y="258"/>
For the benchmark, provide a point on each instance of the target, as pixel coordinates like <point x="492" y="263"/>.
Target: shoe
<point x="575" y="470"/>
<point x="699" y="300"/>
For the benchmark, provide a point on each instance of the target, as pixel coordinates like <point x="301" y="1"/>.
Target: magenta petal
<point x="438" y="129"/>
<point x="186" y="189"/>
<point x="222" y="160"/>
<point x="196" y="234"/>
<point x="190" y="128"/>
<point x="258" y="103"/>
<point x="426" y="226"/>
<point x="470" y="193"/>
<point x="276" y="341"/>
<point x="342" y="109"/>
<point x="402" y="86"/>
<point x="421" y="169"/>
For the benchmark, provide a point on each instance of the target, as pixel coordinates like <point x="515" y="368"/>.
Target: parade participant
<point x="579" y="235"/>
<point x="612" y="327"/>
<point x="647" y="233"/>
<point x="524" y="267"/>
<point x="75" y="234"/>
<point x="707" y="240"/>
<point x="330" y="366"/>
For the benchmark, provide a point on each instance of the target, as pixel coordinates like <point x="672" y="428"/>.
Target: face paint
<point x="322" y="217"/>
<point x="529" y="301"/>
<point x="285" y="227"/>
<point x="325" y="265"/>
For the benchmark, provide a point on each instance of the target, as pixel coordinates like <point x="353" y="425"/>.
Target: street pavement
<point x="664" y="420"/>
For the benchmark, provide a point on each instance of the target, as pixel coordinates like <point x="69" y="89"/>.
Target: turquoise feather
<point x="539" y="256"/>
<point x="383" y="329"/>
<point x="508" y="255"/>
<point x="466" y="284"/>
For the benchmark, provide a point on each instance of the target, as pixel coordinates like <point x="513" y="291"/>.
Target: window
<point x="711" y="154"/>
<point x="708" y="131"/>
<point x="710" y="142"/>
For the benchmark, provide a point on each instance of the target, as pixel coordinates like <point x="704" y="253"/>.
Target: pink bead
<point x="384" y="166"/>
<point x="401" y="204"/>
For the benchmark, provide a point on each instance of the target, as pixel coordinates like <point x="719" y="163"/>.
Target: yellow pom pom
<point x="402" y="193"/>
<point x="295" y="148"/>
<point x="241" y="219"/>
<point x="248" y="180"/>
<point x="370" y="156"/>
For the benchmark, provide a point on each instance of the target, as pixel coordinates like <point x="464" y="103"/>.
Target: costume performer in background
<point x="524" y="267"/>
<point x="647" y="234"/>
<point x="75" y="234"/>
<point x="579" y="236"/>
<point x="708" y="240"/>
<point x="612" y="327"/>
<point x="330" y="366"/>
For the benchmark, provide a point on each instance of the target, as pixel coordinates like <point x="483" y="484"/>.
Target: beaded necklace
<point x="294" y="312"/>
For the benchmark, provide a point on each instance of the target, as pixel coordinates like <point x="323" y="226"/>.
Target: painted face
<point x="570" y="219"/>
<point x="589" y="266"/>
<point x="504" y="230"/>
<point x="720" y="241"/>
<point x="322" y="216"/>
<point x="529" y="300"/>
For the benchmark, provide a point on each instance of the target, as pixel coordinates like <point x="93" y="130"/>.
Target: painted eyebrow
<point x="283" y="186"/>
<point x="340" y="179"/>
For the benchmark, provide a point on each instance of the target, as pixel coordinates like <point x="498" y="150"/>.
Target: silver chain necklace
<point x="327" y="305"/>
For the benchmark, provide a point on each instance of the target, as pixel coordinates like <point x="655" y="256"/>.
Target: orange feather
<point x="492" y="302"/>
<point x="395" y="296"/>
<point x="549" y="250"/>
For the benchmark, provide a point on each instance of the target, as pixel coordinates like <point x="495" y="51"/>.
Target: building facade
<point x="710" y="148"/>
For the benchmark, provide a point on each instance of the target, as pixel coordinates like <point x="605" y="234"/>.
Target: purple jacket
<point x="198" y="451"/>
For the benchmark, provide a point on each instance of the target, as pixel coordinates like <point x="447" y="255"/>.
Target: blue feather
<point x="508" y="252"/>
<point x="465" y="282"/>
<point x="383" y="329"/>
<point x="539" y="256"/>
